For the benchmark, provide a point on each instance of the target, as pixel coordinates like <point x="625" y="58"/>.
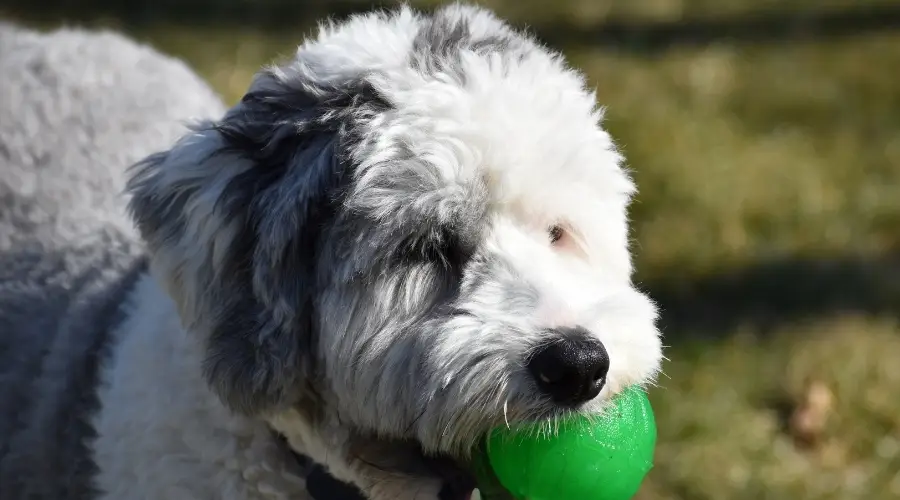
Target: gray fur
<point x="445" y="35"/>
<point x="276" y="170"/>
<point x="75" y="109"/>
<point x="256" y="309"/>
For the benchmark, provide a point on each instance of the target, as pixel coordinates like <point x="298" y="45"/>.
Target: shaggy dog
<point x="410" y="233"/>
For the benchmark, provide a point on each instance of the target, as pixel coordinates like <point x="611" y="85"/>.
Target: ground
<point x="767" y="226"/>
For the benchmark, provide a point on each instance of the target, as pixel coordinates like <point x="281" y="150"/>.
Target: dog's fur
<point x="356" y="256"/>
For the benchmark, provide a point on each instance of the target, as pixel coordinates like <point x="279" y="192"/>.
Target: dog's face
<point x="412" y="233"/>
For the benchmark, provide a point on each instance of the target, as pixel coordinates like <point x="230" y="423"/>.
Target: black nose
<point x="571" y="367"/>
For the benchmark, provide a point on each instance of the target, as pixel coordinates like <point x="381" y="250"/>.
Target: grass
<point x="725" y="415"/>
<point x="770" y="199"/>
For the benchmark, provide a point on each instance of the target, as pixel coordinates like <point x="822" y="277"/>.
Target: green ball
<point x="604" y="457"/>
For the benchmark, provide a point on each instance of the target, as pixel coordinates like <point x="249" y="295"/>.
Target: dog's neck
<point x="161" y="433"/>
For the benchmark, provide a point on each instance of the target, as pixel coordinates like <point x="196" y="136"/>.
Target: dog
<point x="408" y="234"/>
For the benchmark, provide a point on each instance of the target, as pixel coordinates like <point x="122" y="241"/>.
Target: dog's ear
<point x="231" y="215"/>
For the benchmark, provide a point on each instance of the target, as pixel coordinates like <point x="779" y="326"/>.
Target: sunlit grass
<point x="725" y="411"/>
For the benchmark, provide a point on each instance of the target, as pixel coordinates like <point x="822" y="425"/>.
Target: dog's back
<point x="76" y="108"/>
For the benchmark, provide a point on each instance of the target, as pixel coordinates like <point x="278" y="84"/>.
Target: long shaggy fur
<point x="76" y="107"/>
<point x="361" y="256"/>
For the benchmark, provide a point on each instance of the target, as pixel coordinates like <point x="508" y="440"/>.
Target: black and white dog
<point x="412" y="232"/>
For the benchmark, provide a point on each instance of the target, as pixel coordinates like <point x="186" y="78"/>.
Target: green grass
<point x="748" y="152"/>
<point x="771" y="171"/>
<point x="722" y="415"/>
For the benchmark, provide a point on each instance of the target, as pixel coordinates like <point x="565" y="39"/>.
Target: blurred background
<point x="765" y="139"/>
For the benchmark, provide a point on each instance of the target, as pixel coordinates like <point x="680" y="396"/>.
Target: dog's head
<point x="413" y="232"/>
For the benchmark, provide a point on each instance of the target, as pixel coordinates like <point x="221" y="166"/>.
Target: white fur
<point x="162" y="434"/>
<point x="531" y="129"/>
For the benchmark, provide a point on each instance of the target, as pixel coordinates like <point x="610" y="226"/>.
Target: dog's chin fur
<point x="362" y="256"/>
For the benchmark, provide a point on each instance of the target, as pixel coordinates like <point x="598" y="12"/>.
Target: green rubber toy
<point x="588" y="458"/>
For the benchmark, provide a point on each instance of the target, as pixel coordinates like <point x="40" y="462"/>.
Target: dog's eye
<point x="441" y="247"/>
<point x="556" y="233"/>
